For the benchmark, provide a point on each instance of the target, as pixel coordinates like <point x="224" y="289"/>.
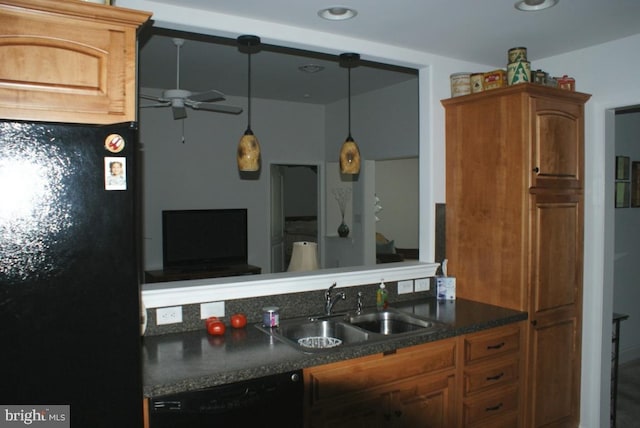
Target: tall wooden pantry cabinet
<point x="514" y="227"/>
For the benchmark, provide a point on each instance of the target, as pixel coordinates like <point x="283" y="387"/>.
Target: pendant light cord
<point x="349" y="98"/>
<point x="249" y="88"/>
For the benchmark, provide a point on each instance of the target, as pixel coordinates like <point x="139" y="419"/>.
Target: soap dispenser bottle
<point x="382" y="296"/>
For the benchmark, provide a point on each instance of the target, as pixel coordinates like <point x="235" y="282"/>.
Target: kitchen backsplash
<point x="291" y="305"/>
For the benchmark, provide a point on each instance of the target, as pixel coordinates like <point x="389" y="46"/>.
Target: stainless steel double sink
<point x="330" y="332"/>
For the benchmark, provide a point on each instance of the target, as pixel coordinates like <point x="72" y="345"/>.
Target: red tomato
<point x="238" y="320"/>
<point x="215" y="327"/>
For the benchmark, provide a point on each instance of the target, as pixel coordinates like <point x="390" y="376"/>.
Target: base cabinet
<point x="411" y="387"/>
<point x="472" y="381"/>
<point x="422" y="401"/>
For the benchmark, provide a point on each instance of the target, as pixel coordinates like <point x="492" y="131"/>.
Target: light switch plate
<point x="211" y="309"/>
<point x="422" y="284"/>
<point x="405" y="287"/>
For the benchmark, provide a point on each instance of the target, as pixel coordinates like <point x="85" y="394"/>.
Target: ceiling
<point x="472" y="30"/>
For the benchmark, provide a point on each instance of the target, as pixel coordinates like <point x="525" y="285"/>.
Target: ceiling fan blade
<point x="179" y="112"/>
<point x="151" y="97"/>
<point x="220" y="108"/>
<point x="207" y="96"/>
<point x="159" y="104"/>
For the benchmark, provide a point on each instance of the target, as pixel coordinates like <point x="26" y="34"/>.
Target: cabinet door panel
<point x="426" y="402"/>
<point x="558" y="251"/>
<point x="555" y="369"/>
<point x="558" y="150"/>
<point x="68" y="62"/>
<point x="365" y="412"/>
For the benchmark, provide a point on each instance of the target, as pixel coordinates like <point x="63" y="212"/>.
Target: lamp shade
<point x="349" y="157"/>
<point x="304" y="257"/>
<point x="248" y="152"/>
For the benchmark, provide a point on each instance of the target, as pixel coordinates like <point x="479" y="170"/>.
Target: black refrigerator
<point x="69" y="278"/>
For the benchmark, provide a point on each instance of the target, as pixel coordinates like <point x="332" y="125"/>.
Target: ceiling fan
<point x="179" y="99"/>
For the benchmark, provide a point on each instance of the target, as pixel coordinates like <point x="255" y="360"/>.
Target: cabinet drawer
<point x="493" y="343"/>
<point x="329" y="381"/>
<point x="482" y="376"/>
<point x="494" y="405"/>
<point x="509" y="420"/>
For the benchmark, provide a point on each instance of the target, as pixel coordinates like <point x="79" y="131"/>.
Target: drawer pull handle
<point x="498" y="346"/>
<point x="494" y="408"/>
<point x="496" y="377"/>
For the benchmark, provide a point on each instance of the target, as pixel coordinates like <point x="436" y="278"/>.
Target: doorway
<point x="626" y="234"/>
<point x="295" y="210"/>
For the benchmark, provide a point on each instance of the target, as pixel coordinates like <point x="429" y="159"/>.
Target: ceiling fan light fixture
<point x="337" y="13"/>
<point x="248" y="154"/>
<point x="535" y="5"/>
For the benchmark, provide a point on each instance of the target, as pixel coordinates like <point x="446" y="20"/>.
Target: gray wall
<point x="627" y="246"/>
<point x="202" y="172"/>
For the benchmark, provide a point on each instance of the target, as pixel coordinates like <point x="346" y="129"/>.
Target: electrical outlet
<point x="405" y="287"/>
<point x="422" y="284"/>
<point x="169" y="315"/>
<point x="211" y="309"/>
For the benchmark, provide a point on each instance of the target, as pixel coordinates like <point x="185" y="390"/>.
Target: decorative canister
<point x="566" y="82"/>
<point x="494" y="79"/>
<point x="460" y="84"/>
<point x="540" y="77"/>
<point x="270" y="316"/>
<point x="519" y="72"/>
<point x="477" y="82"/>
<point x="517" y="54"/>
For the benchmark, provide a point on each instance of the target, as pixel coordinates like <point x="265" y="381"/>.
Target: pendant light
<point x="349" y="153"/>
<point x="248" y="156"/>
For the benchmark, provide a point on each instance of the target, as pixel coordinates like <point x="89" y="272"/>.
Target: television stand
<point x="165" y="275"/>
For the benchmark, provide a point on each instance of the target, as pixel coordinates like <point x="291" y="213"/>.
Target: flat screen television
<point x="204" y="239"/>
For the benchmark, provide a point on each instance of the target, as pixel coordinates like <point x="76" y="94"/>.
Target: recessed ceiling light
<point x="533" y="5"/>
<point x="310" y="68"/>
<point x="337" y="13"/>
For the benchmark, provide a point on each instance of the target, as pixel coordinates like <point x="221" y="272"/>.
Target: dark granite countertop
<point x="180" y="362"/>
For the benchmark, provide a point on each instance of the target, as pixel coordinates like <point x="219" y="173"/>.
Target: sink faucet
<point x="329" y="300"/>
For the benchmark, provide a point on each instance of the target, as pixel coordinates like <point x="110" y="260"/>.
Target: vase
<point x="343" y="230"/>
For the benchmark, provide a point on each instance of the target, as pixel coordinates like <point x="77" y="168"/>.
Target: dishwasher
<point x="277" y="396"/>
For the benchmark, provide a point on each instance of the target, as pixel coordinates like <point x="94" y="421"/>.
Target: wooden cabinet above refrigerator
<point x="68" y="61"/>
